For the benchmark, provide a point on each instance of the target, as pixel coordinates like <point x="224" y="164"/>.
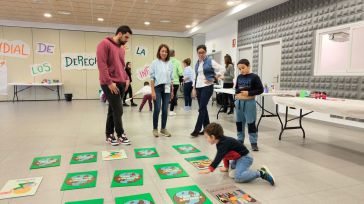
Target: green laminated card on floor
<point x="186" y="149"/>
<point x="45" y="162"/>
<point x="145" y="153"/>
<point x="200" y="162"/>
<point x="79" y="180"/>
<point x="135" y="199"/>
<point x="95" y="201"/>
<point x="85" y="157"/>
<point x="188" y="194"/>
<point x="171" y="170"/>
<point x="132" y="177"/>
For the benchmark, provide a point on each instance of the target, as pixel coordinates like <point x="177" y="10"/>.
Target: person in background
<point x="188" y="80"/>
<point x="161" y="75"/>
<point x="235" y="157"/>
<point x="114" y="81"/>
<point x="177" y="73"/>
<point x="207" y="71"/>
<point x="248" y="85"/>
<point x="130" y="90"/>
<point x="228" y="78"/>
<point x="147" y="96"/>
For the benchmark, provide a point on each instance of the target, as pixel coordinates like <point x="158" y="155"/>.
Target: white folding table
<point x="29" y="85"/>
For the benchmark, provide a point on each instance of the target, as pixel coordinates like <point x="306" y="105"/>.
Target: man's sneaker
<point x="255" y="147"/>
<point x="266" y="175"/>
<point x="165" y="133"/>
<point x="201" y="133"/>
<point x="123" y="140"/>
<point x="125" y="104"/>
<point x="134" y="104"/>
<point x="194" y="134"/>
<point x="155" y="133"/>
<point x="171" y="113"/>
<point x="111" y="140"/>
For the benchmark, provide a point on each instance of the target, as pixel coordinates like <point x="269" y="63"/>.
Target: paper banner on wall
<point x="14" y="48"/>
<point x="79" y="61"/>
<point x="40" y="69"/>
<point x="3" y="78"/>
<point x="20" y="187"/>
<point x="141" y="51"/>
<point x="143" y="73"/>
<point x="43" y="48"/>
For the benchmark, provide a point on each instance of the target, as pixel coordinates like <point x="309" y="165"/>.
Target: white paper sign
<point x="45" y="48"/>
<point x="20" y="187"/>
<point x="15" y="48"/>
<point x="3" y="78"/>
<point x="39" y="69"/>
<point x="79" y="61"/>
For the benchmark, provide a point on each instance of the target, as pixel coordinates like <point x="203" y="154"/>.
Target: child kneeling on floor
<point x="235" y="156"/>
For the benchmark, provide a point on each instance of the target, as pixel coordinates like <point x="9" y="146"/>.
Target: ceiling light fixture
<point x="100" y="19"/>
<point x="47" y="15"/>
<point x="232" y="2"/>
<point x="146" y="23"/>
<point x="188" y="26"/>
<point x="64" y="12"/>
<point x="165" y="21"/>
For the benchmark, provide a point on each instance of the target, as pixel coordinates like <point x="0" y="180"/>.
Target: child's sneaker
<point x="110" y="139"/>
<point x="155" y="133"/>
<point x="255" y="147"/>
<point x="165" y="133"/>
<point x="124" y="140"/>
<point x="266" y="175"/>
<point x="171" y="113"/>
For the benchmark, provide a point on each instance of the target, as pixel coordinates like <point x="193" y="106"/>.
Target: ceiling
<point x="115" y="12"/>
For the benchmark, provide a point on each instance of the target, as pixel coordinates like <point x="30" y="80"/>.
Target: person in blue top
<point x="247" y="86"/>
<point x="161" y="75"/>
<point x="188" y="80"/>
<point x="206" y="70"/>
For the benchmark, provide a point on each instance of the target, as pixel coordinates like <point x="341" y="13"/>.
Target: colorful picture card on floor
<point x="45" y="162"/>
<point x="230" y="194"/>
<point x="95" y="201"/>
<point x="145" y="153"/>
<point x="188" y="194"/>
<point x="83" y="158"/>
<point x="200" y="162"/>
<point x="186" y="149"/>
<point x="114" y="155"/>
<point x="79" y="180"/>
<point x="20" y="187"/>
<point x="135" y="199"/>
<point x="171" y="170"/>
<point x="132" y="177"/>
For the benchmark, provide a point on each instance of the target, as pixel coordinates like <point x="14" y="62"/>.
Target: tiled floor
<point x="327" y="167"/>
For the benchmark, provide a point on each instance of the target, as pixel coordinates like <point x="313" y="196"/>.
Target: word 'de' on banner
<point x="45" y="48"/>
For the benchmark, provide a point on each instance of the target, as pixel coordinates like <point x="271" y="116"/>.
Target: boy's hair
<point x="123" y="29"/>
<point x="187" y="61"/>
<point x="214" y="129"/>
<point x="244" y="61"/>
<point x="201" y="47"/>
<point x="146" y="83"/>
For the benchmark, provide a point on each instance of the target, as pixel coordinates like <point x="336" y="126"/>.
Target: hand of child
<point x="206" y="171"/>
<point x="193" y="93"/>
<point x="224" y="169"/>
<point x="154" y="97"/>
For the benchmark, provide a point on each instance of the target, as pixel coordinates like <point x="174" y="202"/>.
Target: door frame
<point x="260" y="56"/>
<point x="238" y="56"/>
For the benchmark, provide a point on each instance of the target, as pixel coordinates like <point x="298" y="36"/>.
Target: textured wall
<point x="295" y="22"/>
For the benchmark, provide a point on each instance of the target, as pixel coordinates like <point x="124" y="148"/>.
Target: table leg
<point x="285" y="123"/>
<point x="262" y="114"/>
<point x="14" y="94"/>
<point x="301" y="116"/>
<point x="59" y="97"/>
<point x="280" y="121"/>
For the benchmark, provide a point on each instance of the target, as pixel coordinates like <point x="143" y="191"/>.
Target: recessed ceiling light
<point x="165" y="21"/>
<point x="100" y="19"/>
<point x="232" y="2"/>
<point x="146" y="23"/>
<point x="188" y="26"/>
<point x="47" y="15"/>
<point x="64" y="12"/>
